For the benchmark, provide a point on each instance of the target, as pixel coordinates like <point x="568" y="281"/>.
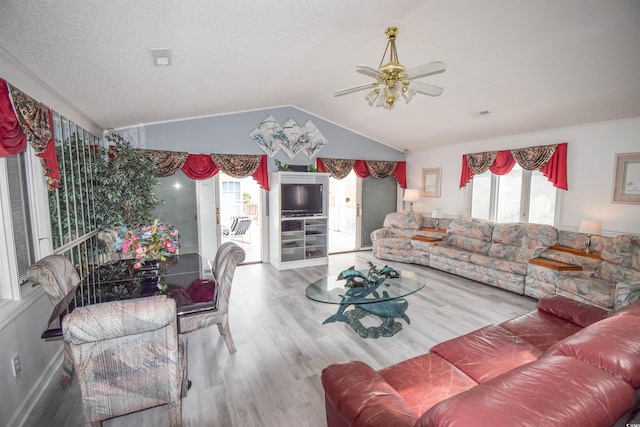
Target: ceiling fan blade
<point x="355" y="89"/>
<point x="425" y="88"/>
<point x="369" y="71"/>
<point x="426" y="70"/>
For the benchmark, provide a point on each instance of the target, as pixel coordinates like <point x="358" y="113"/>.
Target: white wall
<point x="22" y="322"/>
<point x="590" y="162"/>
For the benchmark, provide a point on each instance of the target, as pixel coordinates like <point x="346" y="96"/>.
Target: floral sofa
<point x="500" y="254"/>
<point x="564" y="364"/>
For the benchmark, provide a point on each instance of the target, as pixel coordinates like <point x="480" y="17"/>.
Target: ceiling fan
<point x="393" y="79"/>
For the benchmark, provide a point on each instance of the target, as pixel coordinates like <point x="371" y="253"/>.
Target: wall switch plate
<point x="17" y="368"/>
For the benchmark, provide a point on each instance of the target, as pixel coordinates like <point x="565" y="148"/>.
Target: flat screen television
<point x="301" y="199"/>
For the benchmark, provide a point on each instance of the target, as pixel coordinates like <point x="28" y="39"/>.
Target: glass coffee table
<point x="377" y="295"/>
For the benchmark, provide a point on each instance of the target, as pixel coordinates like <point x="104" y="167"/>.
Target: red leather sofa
<point x="564" y="364"/>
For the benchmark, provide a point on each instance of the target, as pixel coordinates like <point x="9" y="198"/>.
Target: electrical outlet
<point x="17" y="368"/>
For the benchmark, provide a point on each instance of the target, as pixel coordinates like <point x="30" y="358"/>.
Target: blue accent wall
<point x="229" y="134"/>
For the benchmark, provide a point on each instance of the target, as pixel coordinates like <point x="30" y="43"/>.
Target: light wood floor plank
<point x="274" y="378"/>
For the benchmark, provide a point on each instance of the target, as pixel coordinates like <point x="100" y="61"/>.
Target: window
<point x="519" y="196"/>
<point x="28" y="230"/>
<point x="20" y="214"/>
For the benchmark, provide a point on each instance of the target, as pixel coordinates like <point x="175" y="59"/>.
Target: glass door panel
<point x="379" y="197"/>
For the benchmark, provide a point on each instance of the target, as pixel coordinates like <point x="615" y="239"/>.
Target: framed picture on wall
<point x="431" y="182"/>
<point x="626" y="185"/>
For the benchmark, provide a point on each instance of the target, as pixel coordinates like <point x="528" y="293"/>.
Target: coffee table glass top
<point x="332" y="291"/>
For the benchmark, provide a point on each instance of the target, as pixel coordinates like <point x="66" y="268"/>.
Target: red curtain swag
<point x="12" y="138"/>
<point x="32" y="125"/>
<point x="202" y="166"/>
<point x="555" y="169"/>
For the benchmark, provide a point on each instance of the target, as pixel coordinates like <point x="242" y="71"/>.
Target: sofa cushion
<point x="616" y="273"/>
<point x="572" y="311"/>
<point x="426" y="380"/>
<point x="450" y="253"/>
<point x="502" y="251"/>
<point x="398" y="244"/>
<point x="632" y="309"/>
<point x="470" y="234"/>
<point x="486" y="353"/>
<point x="530" y="248"/>
<point x="624" y="251"/>
<point x="612" y="344"/>
<point x="499" y="264"/>
<point x="540" y="328"/>
<point x="403" y="220"/>
<point x="555" y="391"/>
<point x="363" y="397"/>
<point x="588" y="289"/>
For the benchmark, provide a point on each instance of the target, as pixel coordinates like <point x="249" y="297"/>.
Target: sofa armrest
<point x="378" y="234"/>
<point x="573" y="311"/>
<point x="363" y="398"/>
<point x="625" y="294"/>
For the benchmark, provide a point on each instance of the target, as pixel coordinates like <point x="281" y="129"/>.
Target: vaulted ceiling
<point x="531" y="64"/>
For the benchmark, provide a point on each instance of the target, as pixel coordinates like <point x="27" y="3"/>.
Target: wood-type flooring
<point x="274" y="378"/>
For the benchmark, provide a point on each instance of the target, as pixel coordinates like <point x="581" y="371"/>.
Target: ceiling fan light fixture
<point x="372" y="95"/>
<point x="393" y="78"/>
<point x="408" y="93"/>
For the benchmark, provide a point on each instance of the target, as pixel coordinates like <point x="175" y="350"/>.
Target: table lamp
<point x="589" y="228"/>
<point x="436" y="214"/>
<point x="411" y="195"/>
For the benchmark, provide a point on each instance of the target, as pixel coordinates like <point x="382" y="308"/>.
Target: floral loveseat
<point x="499" y="254"/>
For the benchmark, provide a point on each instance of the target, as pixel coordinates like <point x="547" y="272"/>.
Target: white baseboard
<point x="51" y="373"/>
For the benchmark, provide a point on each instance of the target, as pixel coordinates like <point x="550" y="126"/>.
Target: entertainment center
<point x="298" y="219"/>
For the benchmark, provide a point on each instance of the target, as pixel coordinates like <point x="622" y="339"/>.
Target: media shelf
<point x="297" y="241"/>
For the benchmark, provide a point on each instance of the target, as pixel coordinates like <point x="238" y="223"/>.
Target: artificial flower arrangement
<point x="151" y="242"/>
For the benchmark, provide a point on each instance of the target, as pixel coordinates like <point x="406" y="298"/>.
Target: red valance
<point x="261" y="175"/>
<point x="361" y="169"/>
<point x="339" y="168"/>
<point x="556" y="168"/>
<point x="200" y="166"/>
<point x="553" y="166"/>
<point x="12" y="138"/>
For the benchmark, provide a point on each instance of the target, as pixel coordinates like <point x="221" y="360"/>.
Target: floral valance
<point x="203" y="166"/>
<point x="551" y="160"/>
<point x="22" y="120"/>
<point x="340" y="168"/>
<point x="168" y="162"/>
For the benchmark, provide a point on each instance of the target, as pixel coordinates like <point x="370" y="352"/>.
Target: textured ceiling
<point x="533" y="64"/>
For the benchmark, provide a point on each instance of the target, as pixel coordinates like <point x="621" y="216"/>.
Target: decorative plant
<point x="311" y="168"/>
<point x="124" y="189"/>
<point x="282" y="167"/>
<point x="151" y="242"/>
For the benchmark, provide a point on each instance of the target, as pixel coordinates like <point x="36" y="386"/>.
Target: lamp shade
<point x="590" y="227"/>
<point x="437" y="213"/>
<point x="411" y="195"/>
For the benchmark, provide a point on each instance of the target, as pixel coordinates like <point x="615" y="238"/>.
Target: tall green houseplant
<point x="125" y="186"/>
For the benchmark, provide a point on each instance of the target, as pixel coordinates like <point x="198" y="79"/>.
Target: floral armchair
<point x="227" y="258"/>
<point x="58" y="277"/>
<point x="127" y="357"/>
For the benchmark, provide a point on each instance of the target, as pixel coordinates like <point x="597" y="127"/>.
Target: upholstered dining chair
<point x="228" y="256"/>
<point x="58" y="277"/>
<point x="128" y="357"/>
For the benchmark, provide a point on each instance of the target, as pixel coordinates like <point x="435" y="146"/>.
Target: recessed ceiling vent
<point x="161" y="57"/>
